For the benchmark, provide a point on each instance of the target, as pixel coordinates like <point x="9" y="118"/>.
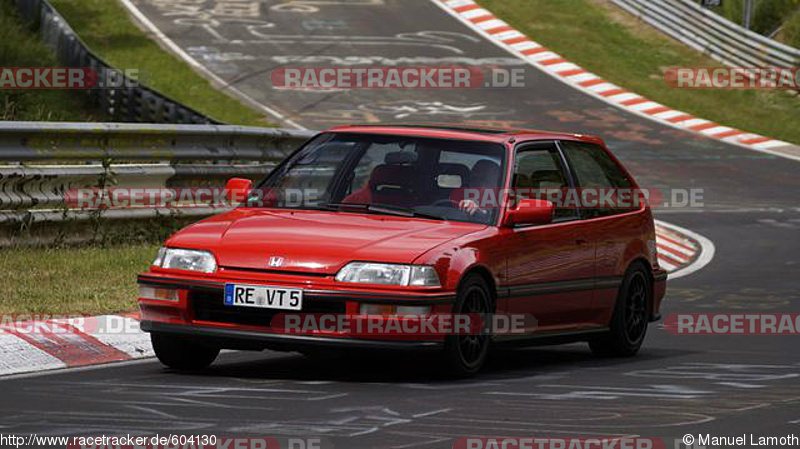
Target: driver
<point x="485" y="174"/>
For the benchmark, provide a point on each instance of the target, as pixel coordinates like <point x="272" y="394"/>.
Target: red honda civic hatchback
<point x="383" y="223"/>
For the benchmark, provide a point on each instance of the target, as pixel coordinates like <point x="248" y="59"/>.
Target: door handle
<point x="581" y="242"/>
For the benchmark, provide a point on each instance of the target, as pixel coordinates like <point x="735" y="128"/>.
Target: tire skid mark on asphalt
<point x="207" y="393"/>
<point x="424" y="422"/>
<point x="505" y="36"/>
<point x="688" y="418"/>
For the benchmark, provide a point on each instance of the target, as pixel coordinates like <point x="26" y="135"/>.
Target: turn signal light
<point x="160" y="294"/>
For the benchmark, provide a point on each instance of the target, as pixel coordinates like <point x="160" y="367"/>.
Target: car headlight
<point x="389" y="274"/>
<point x="186" y="259"/>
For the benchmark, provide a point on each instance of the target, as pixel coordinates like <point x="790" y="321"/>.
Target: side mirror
<point x="530" y="212"/>
<point x="237" y="189"/>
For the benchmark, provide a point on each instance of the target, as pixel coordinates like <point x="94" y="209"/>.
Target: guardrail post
<point x="747" y="14"/>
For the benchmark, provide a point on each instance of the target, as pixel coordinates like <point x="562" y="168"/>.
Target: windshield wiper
<point x="338" y="206"/>
<point x="403" y="212"/>
<point x="383" y="209"/>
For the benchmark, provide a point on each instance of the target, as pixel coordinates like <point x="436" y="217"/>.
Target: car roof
<point x="449" y="131"/>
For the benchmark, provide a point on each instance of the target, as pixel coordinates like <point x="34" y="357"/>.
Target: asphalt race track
<point x="723" y="385"/>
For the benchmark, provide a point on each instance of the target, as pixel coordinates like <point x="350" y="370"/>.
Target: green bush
<point x="790" y="34"/>
<point x="731" y="10"/>
<point x="768" y="14"/>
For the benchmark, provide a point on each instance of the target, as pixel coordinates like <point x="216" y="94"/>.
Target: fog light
<point x="376" y="309"/>
<point x="160" y="294"/>
<point x="413" y="310"/>
<point x="381" y="309"/>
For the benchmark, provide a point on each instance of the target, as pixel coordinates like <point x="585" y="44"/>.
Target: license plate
<point x="263" y="297"/>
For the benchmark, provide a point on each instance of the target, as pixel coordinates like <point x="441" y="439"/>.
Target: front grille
<point x="208" y="306"/>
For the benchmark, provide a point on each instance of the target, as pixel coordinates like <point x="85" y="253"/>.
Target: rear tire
<point x="181" y="353"/>
<point x="465" y="355"/>
<point x="630" y="319"/>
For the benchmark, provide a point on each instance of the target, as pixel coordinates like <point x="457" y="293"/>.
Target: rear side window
<point x="596" y="171"/>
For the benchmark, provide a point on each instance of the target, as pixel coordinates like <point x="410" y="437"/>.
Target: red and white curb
<point x="681" y="251"/>
<point x="505" y="36"/>
<point x="59" y="343"/>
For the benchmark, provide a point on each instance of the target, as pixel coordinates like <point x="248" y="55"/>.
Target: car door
<point x="611" y="226"/>
<point x="550" y="268"/>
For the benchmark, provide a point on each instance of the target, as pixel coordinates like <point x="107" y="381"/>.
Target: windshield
<point x="399" y="175"/>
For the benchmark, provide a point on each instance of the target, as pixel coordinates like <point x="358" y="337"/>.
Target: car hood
<point x="314" y="241"/>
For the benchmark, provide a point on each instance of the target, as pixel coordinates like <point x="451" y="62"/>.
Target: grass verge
<point x="21" y="47"/>
<point x="606" y="41"/>
<point x="91" y="279"/>
<point x="108" y="30"/>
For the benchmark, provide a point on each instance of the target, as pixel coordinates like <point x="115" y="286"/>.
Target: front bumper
<point x="227" y="338"/>
<point x="199" y="314"/>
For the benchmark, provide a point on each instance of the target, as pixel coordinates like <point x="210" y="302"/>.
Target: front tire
<point x="182" y="354"/>
<point x="630" y="319"/>
<point x="465" y="355"/>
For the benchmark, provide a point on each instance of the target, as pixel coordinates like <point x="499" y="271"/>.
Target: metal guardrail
<point x="40" y="162"/>
<point x="42" y="141"/>
<point x="126" y="104"/>
<point x="712" y="34"/>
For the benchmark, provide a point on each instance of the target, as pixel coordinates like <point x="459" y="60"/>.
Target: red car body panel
<point x="566" y="274"/>
<point x="295" y="235"/>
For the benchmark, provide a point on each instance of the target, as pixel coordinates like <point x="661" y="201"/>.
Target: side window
<point x="597" y="174"/>
<point x="540" y="174"/>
